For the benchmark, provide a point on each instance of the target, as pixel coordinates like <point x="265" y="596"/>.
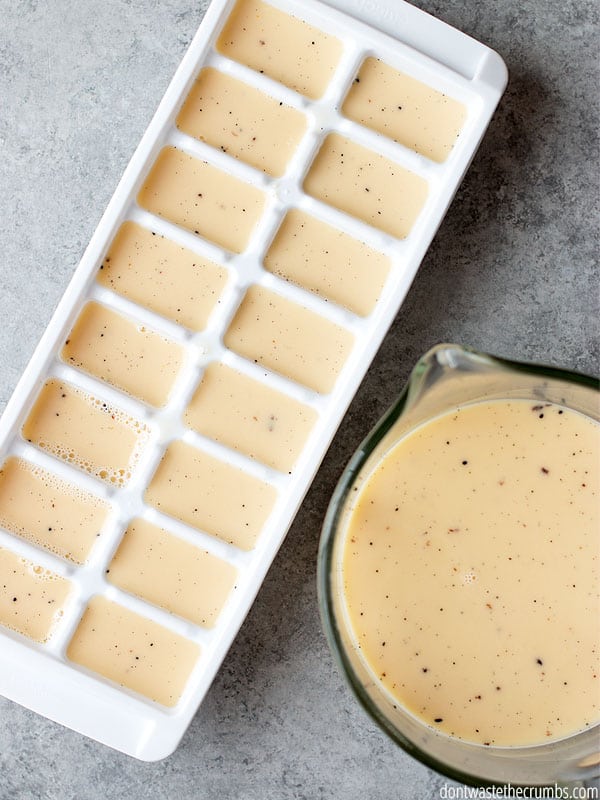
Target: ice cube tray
<point x="376" y="97"/>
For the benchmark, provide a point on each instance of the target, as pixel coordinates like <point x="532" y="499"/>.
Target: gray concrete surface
<point x="512" y="271"/>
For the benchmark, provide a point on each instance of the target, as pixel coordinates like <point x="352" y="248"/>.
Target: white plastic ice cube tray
<point x="40" y="676"/>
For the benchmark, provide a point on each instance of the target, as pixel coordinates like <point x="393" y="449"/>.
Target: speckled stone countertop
<point x="511" y="271"/>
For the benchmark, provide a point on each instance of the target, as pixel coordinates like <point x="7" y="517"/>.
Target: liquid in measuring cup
<point x="470" y="572"/>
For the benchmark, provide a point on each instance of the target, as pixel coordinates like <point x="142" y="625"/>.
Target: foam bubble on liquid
<point x="54" y="482"/>
<point x="115" y="477"/>
<point x="39" y="572"/>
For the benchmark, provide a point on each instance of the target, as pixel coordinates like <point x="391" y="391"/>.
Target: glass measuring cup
<point x="444" y="378"/>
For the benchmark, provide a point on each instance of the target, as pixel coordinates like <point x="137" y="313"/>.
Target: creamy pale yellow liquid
<point x="202" y="198"/>
<point x="327" y="261"/>
<point x="250" y="417"/>
<point x="211" y="495"/>
<point x="406" y="110"/>
<point x="123" y="353"/>
<point x="470" y="572"/>
<point x="288" y="338"/>
<point x="281" y="46"/>
<point x="39" y="507"/>
<point x="133" y="651"/>
<point x="32" y="598"/>
<point x="85" y="431"/>
<point x="242" y="121"/>
<point x="171" y="573"/>
<point x="161" y="275"/>
<point x="366" y="185"/>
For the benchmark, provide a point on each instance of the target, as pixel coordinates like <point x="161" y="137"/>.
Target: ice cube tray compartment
<point x="223" y="340"/>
